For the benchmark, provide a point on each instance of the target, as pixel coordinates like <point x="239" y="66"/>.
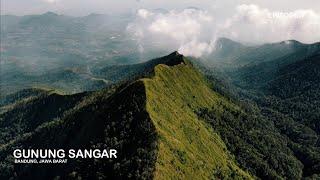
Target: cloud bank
<point x="51" y="1"/>
<point x="188" y="29"/>
<point x="252" y="23"/>
<point x="194" y="31"/>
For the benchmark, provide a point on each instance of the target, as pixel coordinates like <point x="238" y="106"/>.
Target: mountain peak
<point x="174" y="58"/>
<point x="225" y="47"/>
<point x="291" y="42"/>
<point x="50" y="13"/>
<point x="175" y="53"/>
<point x="95" y="15"/>
<point x="227" y="42"/>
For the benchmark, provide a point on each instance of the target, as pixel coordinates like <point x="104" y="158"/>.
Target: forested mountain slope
<point x="283" y="95"/>
<point x="150" y="121"/>
<point x="259" y="73"/>
<point x="233" y="54"/>
<point x="168" y="121"/>
<point x="31" y="109"/>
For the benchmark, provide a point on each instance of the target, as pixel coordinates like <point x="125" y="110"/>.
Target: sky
<point x="193" y="26"/>
<point x="84" y="7"/>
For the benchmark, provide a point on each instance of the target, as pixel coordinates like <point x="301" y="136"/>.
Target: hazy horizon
<point x="85" y="7"/>
<point x="193" y="26"/>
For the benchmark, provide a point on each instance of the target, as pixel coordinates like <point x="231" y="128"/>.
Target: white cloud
<point x="143" y="13"/>
<point x="195" y="48"/>
<point x="187" y="28"/>
<point x="51" y="1"/>
<point x="252" y="23"/>
<point x="193" y="31"/>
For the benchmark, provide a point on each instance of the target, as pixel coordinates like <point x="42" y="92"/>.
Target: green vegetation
<point x="169" y="122"/>
<point x="102" y="119"/>
<point x="31" y="108"/>
<point x="150" y="121"/>
<point x="277" y="85"/>
<point x="188" y="147"/>
<point x="80" y="82"/>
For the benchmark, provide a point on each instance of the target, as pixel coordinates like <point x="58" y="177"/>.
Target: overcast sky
<point x="83" y="7"/>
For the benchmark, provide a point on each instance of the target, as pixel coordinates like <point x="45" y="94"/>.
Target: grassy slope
<point x="188" y="147"/>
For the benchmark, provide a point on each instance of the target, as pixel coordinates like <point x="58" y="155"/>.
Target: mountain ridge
<point x="124" y="118"/>
<point x="238" y="55"/>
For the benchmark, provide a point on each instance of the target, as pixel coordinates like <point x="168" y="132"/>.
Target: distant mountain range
<point x="237" y="54"/>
